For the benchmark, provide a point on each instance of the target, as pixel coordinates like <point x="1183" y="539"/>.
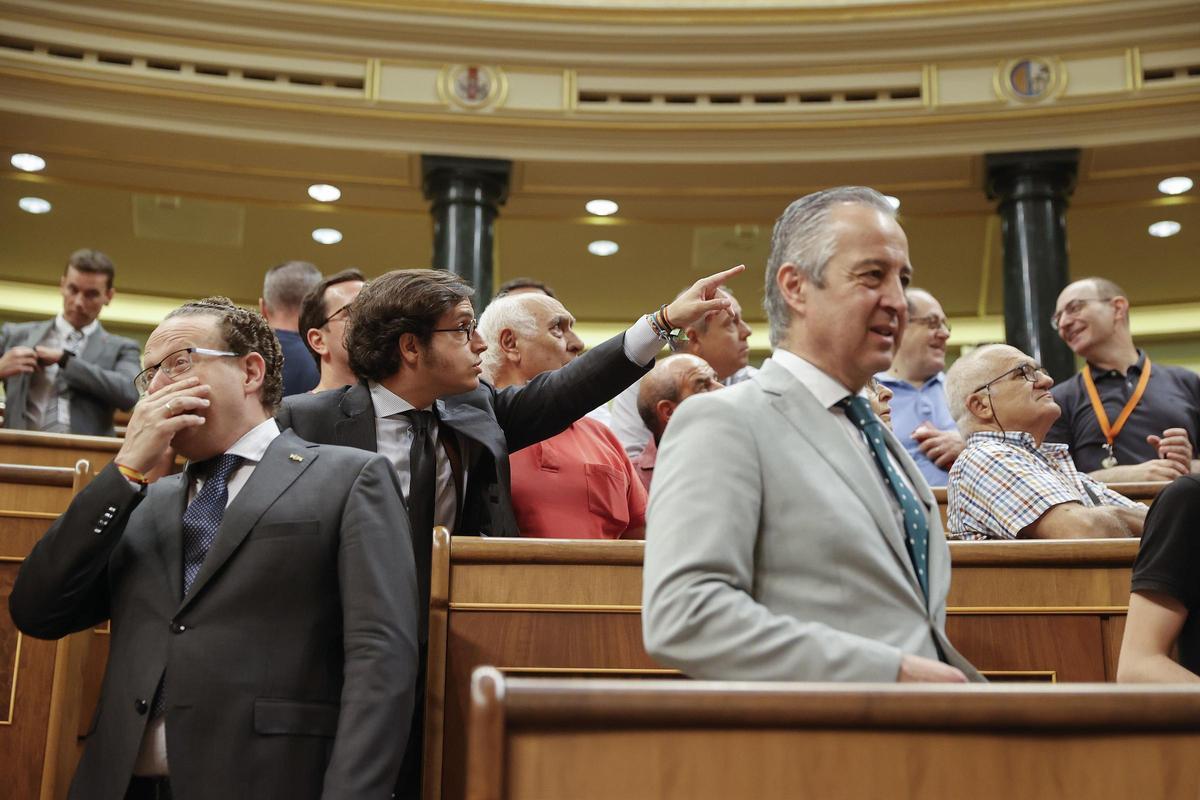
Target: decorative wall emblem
<point x="472" y="86"/>
<point x="1031" y="80"/>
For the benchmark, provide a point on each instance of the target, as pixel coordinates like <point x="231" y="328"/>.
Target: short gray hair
<point x="512" y="311"/>
<point x="803" y="237"/>
<point x="285" y="285"/>
<point x="965" y="375"/>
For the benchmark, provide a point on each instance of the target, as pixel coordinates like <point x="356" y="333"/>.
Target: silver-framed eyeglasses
<point x="1030" y="372"/>
<point x="467" y="329"/>
<point x="931" y="321"/>
<point x="1073" y="308"/>
<point x="174" y="365"/>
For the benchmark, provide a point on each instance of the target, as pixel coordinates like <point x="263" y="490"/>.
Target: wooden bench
<point x="1028" y="611"/>
<point x="593" y="739"/>
<point x="56" y="449"/>
<point x="47" y="689"/>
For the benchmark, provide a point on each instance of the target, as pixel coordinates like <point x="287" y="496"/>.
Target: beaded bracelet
<point x="133" y="475"/>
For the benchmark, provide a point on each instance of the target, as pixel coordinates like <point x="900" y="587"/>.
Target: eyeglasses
<point x="931" y="321"/>
<point x="174" y="365"/>
<point x="329" y="319"/>
<point x="1030" y="372"/>
<point x="1073" y="308"/>
<point x="467" y="329"/>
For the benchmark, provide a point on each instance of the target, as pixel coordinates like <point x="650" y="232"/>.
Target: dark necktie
<point x="916" y="526"/>
<point x="201" y="521"/>
<point x="203" y="516"/>
<point x="422" y="492"/>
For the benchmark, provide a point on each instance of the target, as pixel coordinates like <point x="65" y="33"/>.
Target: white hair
<point x="511" y="312"/>
<point x="967" y="374"/>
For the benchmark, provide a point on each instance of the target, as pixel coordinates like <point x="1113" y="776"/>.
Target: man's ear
<point x="262" y="307"/>
<point x="1121" y="308"/>
<point x="795" y="287"/>
<point x="410" y="349"/>
<point x="509" y="345"/>
<point x="980" y="405"/>
<point x="664" y="409"/>
<point x="316" y="340"/>
<point x="256" y="373"/>
<point x="108" y="295"/>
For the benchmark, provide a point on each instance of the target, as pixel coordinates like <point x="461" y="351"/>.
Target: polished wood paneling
<point x="610" y="739"/>
<point x="56" y="449"/>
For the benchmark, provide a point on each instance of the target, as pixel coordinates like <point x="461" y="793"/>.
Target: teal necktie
<point x="916" y="526"/>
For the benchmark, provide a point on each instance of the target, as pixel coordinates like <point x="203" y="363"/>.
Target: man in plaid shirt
<point x="1009" y="483"/>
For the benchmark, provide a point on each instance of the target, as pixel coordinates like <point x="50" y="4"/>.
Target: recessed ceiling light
<point x="1176" y="185"/>
<point x="1165" y="228"/>
<point x="603" y="247"/>
<point x="602" y="208"/>
<point x="34" y="205"/>
<point x="327" y="235"/>
<point x="893" y="201"/>
<point x="28" y="162"/>
<point x="324" y="192"/>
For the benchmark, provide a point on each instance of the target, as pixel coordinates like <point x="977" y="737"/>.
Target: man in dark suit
<point x="412" y="341"/>
<point x="262" y="603"/>
<point x="68" y="374"/>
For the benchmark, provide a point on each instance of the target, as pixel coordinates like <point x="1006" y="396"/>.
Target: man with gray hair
<point x="284" y="288"/>
<point x="789" y="534"/>
<point x="1009" y="482"/>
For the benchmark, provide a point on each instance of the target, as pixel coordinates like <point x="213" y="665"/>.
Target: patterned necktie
<point x="203" y="516"/>
<point x="916" y="526"/>
<point x="422" y="491"/>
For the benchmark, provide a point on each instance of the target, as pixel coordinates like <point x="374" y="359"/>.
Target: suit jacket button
<point x="177" y="627"/>
<point x="141" y="706"/>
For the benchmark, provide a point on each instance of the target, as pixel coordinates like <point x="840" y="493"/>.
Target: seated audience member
<point x="1009" y="482"/>
<point x="322" y="327"/>
<point x="1164" y="606"/>
<point x="68" y="374"/>
<point x="673" y="379"/>
<point x="263" y="603"/>
<point x="523" y="286"/>
<point x="1124" y="418"/>
<point x="284" y="288"/>
<point x="722" y="340"/>
<point x="881" y="400"/>
<point x="577" y="484"/>
<point x="413" y="344"/>
<point x="920" y="417"/>
<point x="789" y="535"/>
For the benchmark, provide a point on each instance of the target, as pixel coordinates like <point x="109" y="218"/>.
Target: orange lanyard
<point x="1110" y="433"/>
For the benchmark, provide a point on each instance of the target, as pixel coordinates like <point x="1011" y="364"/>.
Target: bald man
<point x="1009" y="482"/>
<point x="673" y="380"/>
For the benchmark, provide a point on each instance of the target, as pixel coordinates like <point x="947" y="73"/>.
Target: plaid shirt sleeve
<point x="998" y="489"/>
<point x="1106" y="494"/>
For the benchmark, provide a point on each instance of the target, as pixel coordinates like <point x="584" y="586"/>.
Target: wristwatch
<point x="64" y="358"/>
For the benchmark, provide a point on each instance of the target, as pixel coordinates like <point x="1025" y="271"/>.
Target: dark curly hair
<point x="244" y="331"/>
<point x="401" y="301"/>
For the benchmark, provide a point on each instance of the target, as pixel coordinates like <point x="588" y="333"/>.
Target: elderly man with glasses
<point x="920" y="418"/>
<point x="1009" y="483"/>
<point x="1123" y="417"/>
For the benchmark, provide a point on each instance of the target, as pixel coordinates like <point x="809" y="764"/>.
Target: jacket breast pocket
<point x="294" y="718"/>
<point x="300" y="527"/>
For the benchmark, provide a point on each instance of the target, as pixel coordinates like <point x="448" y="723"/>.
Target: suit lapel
<point x="357" y="427"/>
<point x="168" y="503"/>
<point x="797" y="406"/>
<point x="271" y="477"/>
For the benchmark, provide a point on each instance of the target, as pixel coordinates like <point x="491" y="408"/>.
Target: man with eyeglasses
<point x="68" y="374"/>
<point x="1009" y="482"/>
<point x="263" y="602"/>
<point x="920" y="417"/>
<point x="413" y="343"/>
<point x="322" y="326"/>
<point x="1124" y="416"/>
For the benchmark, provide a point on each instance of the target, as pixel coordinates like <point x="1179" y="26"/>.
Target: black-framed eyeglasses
<point x="174" y="365"/>
<point x="329" y="319"/>
<point x="931" y="321"/>
<point x="467" y="329"/>
<point x="1029" y="372"/>
<point x="1073" y="308"/>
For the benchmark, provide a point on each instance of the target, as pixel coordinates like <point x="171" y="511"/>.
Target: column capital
<point x="459" y="179"/>
<point x="1031" y="173"/>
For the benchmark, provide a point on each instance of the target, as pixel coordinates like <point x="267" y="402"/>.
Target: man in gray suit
<point x="789" y="535"/>
<point x="263" y="603"/>
<point x="68" y="374"/>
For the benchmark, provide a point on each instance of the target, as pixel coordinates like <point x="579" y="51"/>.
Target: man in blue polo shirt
<point x="920" y="418"/>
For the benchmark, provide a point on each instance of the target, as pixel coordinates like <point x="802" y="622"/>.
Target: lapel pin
<point x="296" y="458"/>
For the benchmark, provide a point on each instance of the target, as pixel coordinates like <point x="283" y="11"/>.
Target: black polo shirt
<point x="1171" y="400"/>
<point x="1168" y="560"/>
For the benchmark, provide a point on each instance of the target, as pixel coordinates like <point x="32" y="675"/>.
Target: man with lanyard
<point x="1124" y="417"/>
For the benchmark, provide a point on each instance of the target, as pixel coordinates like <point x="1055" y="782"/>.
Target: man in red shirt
<point x="578" y="484"/>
